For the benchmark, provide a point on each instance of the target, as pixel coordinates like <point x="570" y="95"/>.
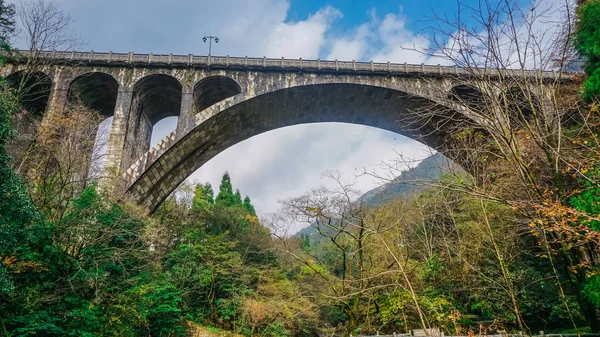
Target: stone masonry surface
<point x="221" y="101"/>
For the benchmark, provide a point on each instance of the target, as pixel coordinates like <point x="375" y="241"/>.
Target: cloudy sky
<point x="289" y="161"/>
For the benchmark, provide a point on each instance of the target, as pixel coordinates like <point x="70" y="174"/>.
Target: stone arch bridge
<point x="221" y="101"/>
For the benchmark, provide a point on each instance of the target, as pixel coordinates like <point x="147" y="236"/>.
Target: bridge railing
<point x="274" y="63"/>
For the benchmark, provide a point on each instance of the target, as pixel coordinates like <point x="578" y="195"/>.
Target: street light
<point x="210" y="38"/>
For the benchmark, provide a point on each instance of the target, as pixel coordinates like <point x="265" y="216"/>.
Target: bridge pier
<point x="186" y="121"/>
<point x="137" y="135"/>
<point x="58" y="95"/>
<point x="118" y="133"/>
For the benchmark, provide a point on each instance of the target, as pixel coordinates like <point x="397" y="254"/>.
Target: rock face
<point x="221" y="101"/>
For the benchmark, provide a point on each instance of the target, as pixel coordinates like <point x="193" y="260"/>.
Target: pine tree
<point x="588" y="45"/>
<point x="238" y="198"/>
<point x="209" y="193"/>
<point x="7" y="23"/>
<point x="248" y="206"/>
<point x="225" y="196"/>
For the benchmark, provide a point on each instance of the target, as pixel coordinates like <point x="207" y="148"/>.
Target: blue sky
<point x="287" y="162"/>
<point x="357" y="12"/>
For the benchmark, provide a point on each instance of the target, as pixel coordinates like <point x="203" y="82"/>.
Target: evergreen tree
<point x="587" y="43"/>
<point x="7" y="23"/>
<point x="20" y="223"/>
<point x="209" y="193"/>
<point x="238" y="198"/>
<point x="225" y="196"/>
<point x="248" y="206"/>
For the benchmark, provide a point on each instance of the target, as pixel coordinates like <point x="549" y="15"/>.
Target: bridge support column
<point x="118" y="133"/>
<point x="58" y="95"/>
<point x="186" y="121"/>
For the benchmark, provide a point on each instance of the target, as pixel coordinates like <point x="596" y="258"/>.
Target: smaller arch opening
<point x="520" y="105"/>
<point x="212" y="90"/>
<point x="468" y="95"/>
<point x="158" y="96"/>
<point x="32" y="90"/>
<point x="155" y="97"/>
<point x="97" y="91"/>
<point x="163" y="128"/>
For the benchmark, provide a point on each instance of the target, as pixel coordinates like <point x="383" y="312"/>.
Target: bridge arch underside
<point x="349" y="103"/>
<point x="32" y="89"/>
<point x="154" y="97"/>
<point x="97" y="91"/>
<point x="214" y="89"/>
<point x="33" y="92"/>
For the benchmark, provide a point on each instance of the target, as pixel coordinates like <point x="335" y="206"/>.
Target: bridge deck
<point x="252" y="63"/>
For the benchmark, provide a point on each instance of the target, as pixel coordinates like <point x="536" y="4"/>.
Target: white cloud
<point x="397" y="41"/>
<point x="351" y="47"/>
<point x="527" y="42"/>
<point x="303" y="38"/>
<point x="380" y="40"/>
<point x="176" y="26"/>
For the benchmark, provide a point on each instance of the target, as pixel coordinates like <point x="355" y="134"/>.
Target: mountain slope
<point x="407" y="183"/>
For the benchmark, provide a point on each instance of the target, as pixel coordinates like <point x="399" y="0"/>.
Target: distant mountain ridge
<point x="407" y="183"/>
<point x="429" y="169"/>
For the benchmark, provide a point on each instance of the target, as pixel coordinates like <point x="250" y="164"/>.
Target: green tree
<point x="225" y="196"/>
<point x="20" y="224"/>
<point x="237" y="198"/>
<point x="587" y="42"/>
<point x="203" y="197"/>
<point x="248" y="206"/>
<point x="7" y="23"/>
<point x="209" y="193"/>
<point x="209" y="273"/>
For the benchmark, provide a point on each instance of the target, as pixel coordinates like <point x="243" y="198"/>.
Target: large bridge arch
<point x="379" y="107"/>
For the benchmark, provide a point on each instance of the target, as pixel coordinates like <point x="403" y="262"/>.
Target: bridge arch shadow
<point x="32" y="90"/>
<point x="95" y="90"/>
<point x="214" y="89"/>
<point x="155" y="97"/>
<point x="519" y="102"/>
<point x="378" y="107"/>
<point x="468" y="95"/>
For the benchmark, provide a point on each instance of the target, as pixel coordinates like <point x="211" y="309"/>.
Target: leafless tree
<point x="516" y="121"/>
<point x="63" y="156"/>
<point x="42" y="26"/>
<point x="357" y="236"/>
<point x="46" y="27"/>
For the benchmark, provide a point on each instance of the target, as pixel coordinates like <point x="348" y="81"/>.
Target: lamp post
<point x="210" y="38"/>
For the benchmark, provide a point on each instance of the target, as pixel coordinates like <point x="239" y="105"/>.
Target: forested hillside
<point x="410" y="181"/>
<point x="508" y="244"/>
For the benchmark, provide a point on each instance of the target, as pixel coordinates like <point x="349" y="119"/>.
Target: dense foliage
<point x="587" y="43"/>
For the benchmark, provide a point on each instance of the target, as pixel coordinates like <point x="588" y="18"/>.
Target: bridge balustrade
<point x="252" y="62"/>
